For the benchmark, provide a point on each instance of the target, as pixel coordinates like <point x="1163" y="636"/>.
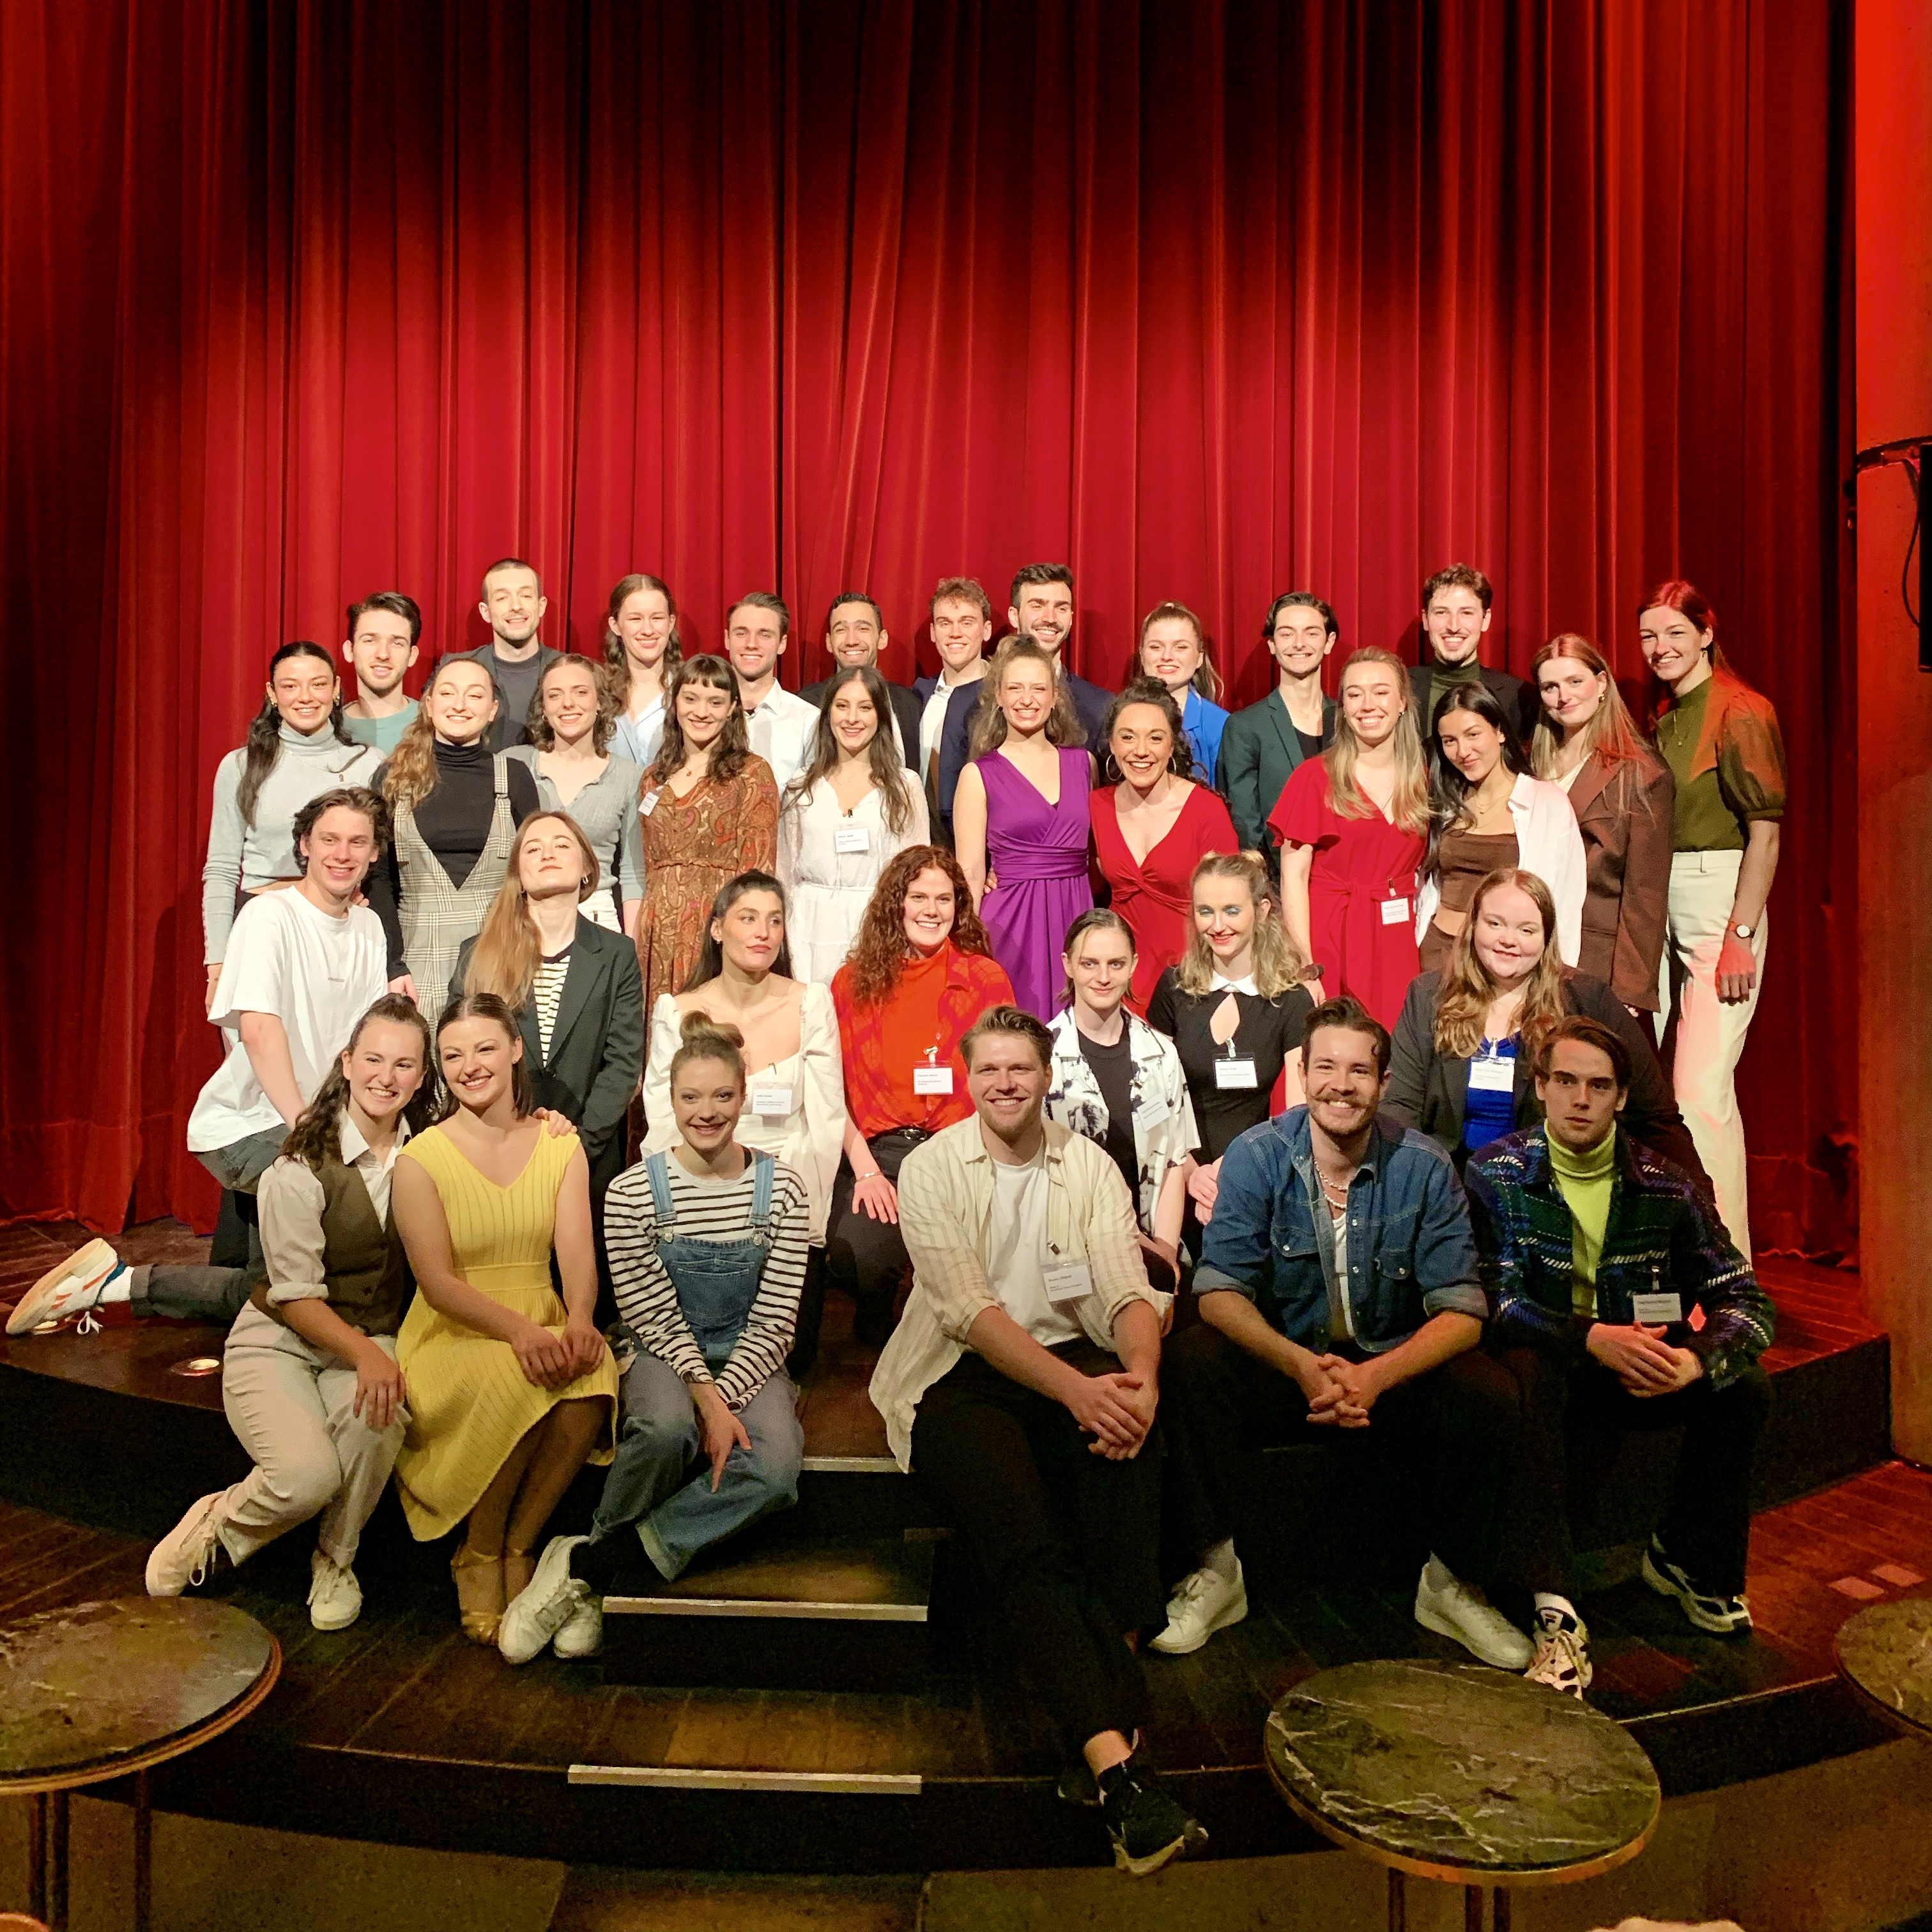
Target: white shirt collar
<point x="354" y="1147"/>
<point x="1244" y="985"/>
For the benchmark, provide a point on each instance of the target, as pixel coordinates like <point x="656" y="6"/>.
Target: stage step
<point x="785" y="1613"/>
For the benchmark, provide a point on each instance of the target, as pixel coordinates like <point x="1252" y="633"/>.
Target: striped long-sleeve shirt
<point x="709" y="1210"/>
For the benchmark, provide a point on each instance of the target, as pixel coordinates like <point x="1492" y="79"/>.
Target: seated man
<point x="1021" y="1383"/>
<point x="1338" y="1295"/>
<point x="1594" y="1250"/>
<point x="302" y="968"/>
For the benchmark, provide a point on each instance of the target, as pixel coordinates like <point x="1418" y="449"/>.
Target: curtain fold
<point x="1210" y="302"/>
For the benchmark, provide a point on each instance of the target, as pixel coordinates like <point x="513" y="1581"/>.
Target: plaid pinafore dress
<point x="436" y="917"/>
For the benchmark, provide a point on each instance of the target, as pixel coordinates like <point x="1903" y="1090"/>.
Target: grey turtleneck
<point x="248" y="857"/>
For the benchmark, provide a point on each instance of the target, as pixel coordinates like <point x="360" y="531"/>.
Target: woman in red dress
<point x="1353" y="826"/>
<point x="1152" y="826"/>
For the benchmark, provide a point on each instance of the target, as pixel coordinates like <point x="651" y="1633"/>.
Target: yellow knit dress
<point x="469" y="1403"/>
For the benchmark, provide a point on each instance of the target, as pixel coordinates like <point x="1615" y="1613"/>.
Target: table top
<point x="1886" y="1652"/>
<point x="98" y="1690"/>
<point x="1459" y="1772"/>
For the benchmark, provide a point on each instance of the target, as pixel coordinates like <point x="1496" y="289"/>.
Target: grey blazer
<point x="1260" y="749"/>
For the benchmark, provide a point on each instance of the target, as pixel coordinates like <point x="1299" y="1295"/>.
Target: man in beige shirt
<point x="1021" y="1382"/>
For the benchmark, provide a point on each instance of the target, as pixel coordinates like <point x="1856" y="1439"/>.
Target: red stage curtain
<point x="1211" y="301"/>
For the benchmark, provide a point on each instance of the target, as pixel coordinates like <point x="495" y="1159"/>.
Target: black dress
<point x="1270" y="1031"/>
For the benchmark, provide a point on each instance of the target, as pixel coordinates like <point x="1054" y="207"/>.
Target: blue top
<point x="1489" y="1112"/>
<point x="1204" y="723"/>
<point x="1411" y="1251"/>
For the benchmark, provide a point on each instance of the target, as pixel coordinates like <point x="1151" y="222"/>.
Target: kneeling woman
<point x="309" y="1379"/>
<point x="708" y="1246"/>
<point x="511" y="1391"/>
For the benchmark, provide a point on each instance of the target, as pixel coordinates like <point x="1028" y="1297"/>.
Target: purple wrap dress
<point x="1038" y="853"/>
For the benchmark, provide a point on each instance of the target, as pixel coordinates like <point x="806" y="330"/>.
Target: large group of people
<point x="1156" y="1082"/>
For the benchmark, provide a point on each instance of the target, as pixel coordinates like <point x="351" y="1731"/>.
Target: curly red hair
<point x="880" y="951"/>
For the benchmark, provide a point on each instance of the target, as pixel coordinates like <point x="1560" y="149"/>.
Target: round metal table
<point x="110" y="1690"/>
<point x="1884" y="1653"/>
<point x="1461" y="1773"/>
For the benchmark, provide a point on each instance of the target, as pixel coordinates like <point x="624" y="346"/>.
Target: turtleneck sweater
<point x="1584" y="1178"/>
<point x="454" y="822"/>
<point x="246" y="857"/>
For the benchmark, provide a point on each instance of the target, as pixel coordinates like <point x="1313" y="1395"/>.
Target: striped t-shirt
<point x="546" y="993"/>
<point x="709" y="1210"/>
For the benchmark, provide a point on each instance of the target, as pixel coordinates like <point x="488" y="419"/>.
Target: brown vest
<point x="363" y="1263"/>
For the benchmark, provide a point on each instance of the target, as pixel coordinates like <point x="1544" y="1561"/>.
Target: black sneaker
<point x="1720" y="1614"/>
<point x="1147" y="1828"/>
<point x="1077" y="1785"/>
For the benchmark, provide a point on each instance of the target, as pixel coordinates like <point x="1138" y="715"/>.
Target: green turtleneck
<point x="1584" y="1177"/>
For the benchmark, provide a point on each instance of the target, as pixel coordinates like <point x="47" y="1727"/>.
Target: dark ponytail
<point x="263" y="745"/>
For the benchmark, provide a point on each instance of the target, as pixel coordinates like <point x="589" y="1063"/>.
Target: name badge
<point x="647" y="804"/>
<point x="1655" y="1308"/>
<point x="1236" y="1073"/>
<point x="851" y="839"/>
<point x="1491" y="1076"/>
<point x="772" y="1102"/>
<point x="1155" y="1109"/>
<point x="1395" y="912"/>
<point x="932" y="1080"/>
<point x="1071" y="1281"/>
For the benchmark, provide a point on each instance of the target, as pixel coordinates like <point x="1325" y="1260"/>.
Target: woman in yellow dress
<point x="511" y="1391"/>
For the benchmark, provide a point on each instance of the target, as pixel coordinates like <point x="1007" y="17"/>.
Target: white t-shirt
<point x="1017" y="1253"/>
<point x="318" y="975"/>
<point x="1340" y="1223"/>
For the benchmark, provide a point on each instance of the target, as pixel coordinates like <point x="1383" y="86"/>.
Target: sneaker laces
<point x="328" y="1577"/>
<point x="204" y="1559"/>
<point x="89" y="1323"/>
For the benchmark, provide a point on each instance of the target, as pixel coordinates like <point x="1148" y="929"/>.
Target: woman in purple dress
<point x="1020" y="826"/>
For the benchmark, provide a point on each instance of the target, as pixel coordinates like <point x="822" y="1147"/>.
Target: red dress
<point x="1361" y="866"/>
<point x="1154" y="898"/>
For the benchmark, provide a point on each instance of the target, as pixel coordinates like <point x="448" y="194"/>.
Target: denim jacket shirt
<point x="1411" y="1252"/>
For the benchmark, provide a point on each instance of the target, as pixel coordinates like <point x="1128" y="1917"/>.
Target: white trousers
<point x="1710" y="1034"/>
<point x="292" y="1405"/>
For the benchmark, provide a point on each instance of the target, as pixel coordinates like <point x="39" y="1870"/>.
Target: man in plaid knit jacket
<point x="1595" y="1252"/>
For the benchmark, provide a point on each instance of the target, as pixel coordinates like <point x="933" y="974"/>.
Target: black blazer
<point x="596" y="1047"/>
<point x="1260" y="751"/>
<point x="1090" y="706"/>
<point x="1518" y="701"/>
<point x="1429" y="1090"/>
<point x="907" y="707"/>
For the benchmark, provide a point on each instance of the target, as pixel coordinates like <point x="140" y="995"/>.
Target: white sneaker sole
<point x="1431" y="1619"/>
<point x="1235" y="1612"/>
<point x="1739" y="1626"/>
<point x="86" y="1266"/>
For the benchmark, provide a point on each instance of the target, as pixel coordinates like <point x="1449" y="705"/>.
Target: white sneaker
<point x="1562" y="1653"/>
<point x="584" y="1635"/>
<point x="70" y="1287"/>
<point x="1463" y="1612"/>
<point x="335" y="1596"/>
<point x="1206" y="1601"/>
<point x="552" y="1598"/>
<point x="186" y="1554"/>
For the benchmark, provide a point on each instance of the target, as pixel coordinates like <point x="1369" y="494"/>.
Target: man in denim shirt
<point x="1339" y="1295"/>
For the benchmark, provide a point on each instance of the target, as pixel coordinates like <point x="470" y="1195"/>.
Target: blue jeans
<point x="653" y="1485"/>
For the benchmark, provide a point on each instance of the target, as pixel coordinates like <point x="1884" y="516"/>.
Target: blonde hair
<point x="1278" y="961"/>
<point x="1467" y="988"/>
<point x="989" y="721"/>
<point x="701" y="1037"/>
<point x="505" y="959"/>
<point x="1408" y="807"/>
<point x="412" y="773"/>
<point x="1206" y="679"/>
<point x="1612" y="735"/>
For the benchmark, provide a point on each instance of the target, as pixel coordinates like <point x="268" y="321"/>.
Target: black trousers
<point x="1574" y="1413"/>
<point x="865" y="1258"/>
<point x="1066" y="1542"/>
<point x="1452" y="1431"/>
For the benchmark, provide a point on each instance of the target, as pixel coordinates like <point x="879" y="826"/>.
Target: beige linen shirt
<point x="945" y="1206"/>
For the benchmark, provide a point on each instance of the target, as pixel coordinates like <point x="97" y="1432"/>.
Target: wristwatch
<point x="1743" y="931"/>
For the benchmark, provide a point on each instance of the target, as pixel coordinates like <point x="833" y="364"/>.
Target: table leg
<point x="1472" y="1908"/>
<point x="37" y="1856"/>
<point x="1500" y="1921"/>
<point x="57" y="1866"/>
<point x="144" y="1854"/>
<point x="1398" y="1902"/>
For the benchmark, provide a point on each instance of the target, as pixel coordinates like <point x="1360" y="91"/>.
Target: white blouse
<point x="808" y="1137"/>
<point x="828" y="862"/>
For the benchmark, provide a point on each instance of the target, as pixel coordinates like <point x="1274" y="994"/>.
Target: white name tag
<point x="1071" y="1281"/>
<point x="1659" y="1307"/>
<point x="647" y="804"/>
<point x="932" y="1080"/>
<point x="772" y="1102"/>
<point x="1155" y="1109"/>
<point x="851" y="839"/>
<point x="1493" y="1076"/>
<point x="1239" y="1072"/>
<point x="1395" y="912"/>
